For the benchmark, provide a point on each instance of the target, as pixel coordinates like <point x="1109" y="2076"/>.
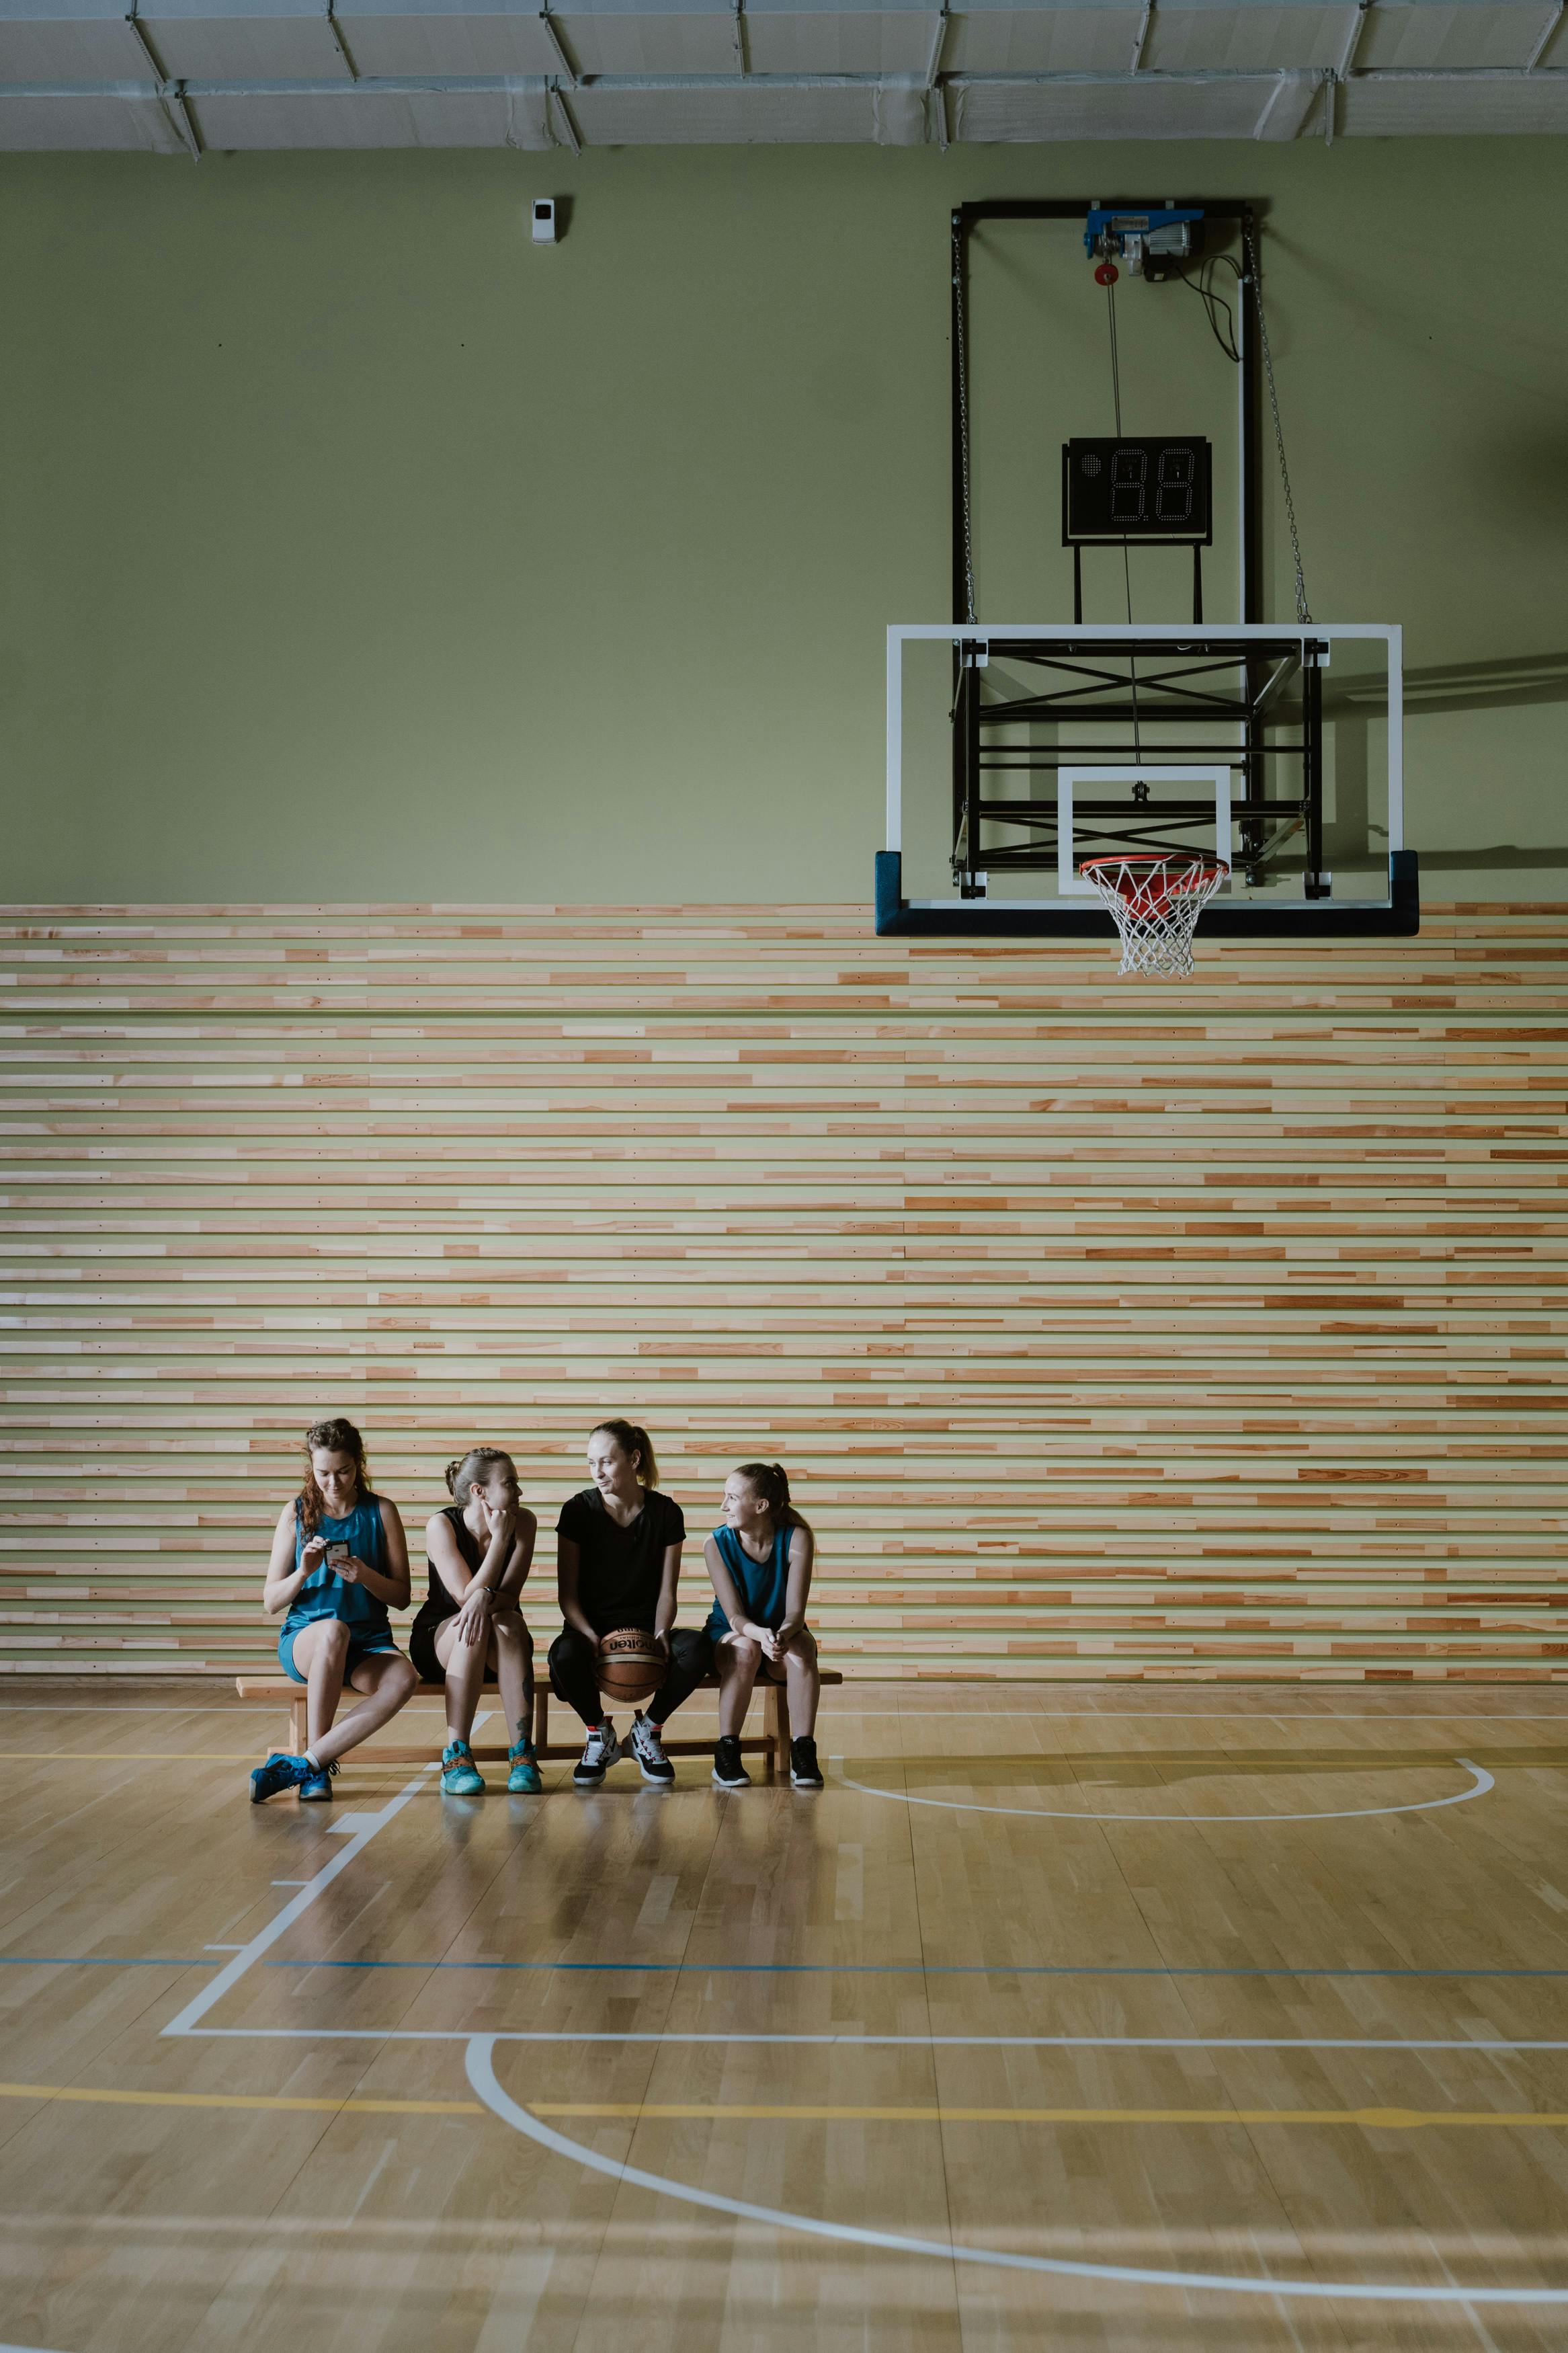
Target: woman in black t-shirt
<point x="617" y="1563"/>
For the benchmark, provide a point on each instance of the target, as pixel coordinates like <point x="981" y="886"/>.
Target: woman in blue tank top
<point x="339" y="1560"/>
<point x="759" y="1559"/>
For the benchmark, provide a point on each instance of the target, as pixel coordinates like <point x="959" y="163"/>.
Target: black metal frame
<point x="1263" y="817"/>
<point x="965" y="217"/>
<point x="1271" y="689"/>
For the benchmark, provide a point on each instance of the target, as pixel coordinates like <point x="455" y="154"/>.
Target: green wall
<point x="352" y="548"/>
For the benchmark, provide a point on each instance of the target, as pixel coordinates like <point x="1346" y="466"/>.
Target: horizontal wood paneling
<point x="1107" y="1328"/>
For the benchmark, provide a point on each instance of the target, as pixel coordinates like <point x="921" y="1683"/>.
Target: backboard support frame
<point x="1316" y="914"/>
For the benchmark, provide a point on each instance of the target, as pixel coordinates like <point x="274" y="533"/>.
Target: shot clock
<point x="1156" y="492"/>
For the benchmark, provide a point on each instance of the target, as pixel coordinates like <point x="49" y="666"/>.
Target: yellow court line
<point x="1391" y="2119"/>
<point x="635" y="2111"/>
<point x="241" y="2099"/>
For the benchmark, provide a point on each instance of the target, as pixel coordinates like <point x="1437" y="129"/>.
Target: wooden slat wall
<point x="1108" y="1329"/>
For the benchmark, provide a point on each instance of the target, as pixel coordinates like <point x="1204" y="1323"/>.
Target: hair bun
<point x="453" y="1468"/>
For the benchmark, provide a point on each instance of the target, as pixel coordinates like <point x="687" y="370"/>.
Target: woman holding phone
<point x="479" y="1550"/>
<point x="338" y="1561"/>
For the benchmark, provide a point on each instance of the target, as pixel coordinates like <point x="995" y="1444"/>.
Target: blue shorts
<point x="373" y="1646"/>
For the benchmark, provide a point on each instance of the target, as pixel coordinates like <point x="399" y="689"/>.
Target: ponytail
<point x="770" y="1481"/>
<point x="631" y="1440"/>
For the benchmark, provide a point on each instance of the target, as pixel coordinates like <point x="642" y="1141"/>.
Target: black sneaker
<point x="728" y="1769"/>
<point x="804" y="1769"/>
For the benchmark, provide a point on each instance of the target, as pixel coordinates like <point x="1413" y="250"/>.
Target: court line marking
<point x="1478" y="2046"/>
<point x="106" y="2097"/>
<point x="478" y="2061"/>
<point x="1154" y="1970"/>
<point x="1482" y="1781"/>
<point x="185" y="2020"/>
<point x="794" y="2112"/>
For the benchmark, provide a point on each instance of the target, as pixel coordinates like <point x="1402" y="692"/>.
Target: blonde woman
<point x="479" y="1552"/>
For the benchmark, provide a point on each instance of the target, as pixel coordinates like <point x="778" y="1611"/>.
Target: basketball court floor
<point x="1088" y="2017"/>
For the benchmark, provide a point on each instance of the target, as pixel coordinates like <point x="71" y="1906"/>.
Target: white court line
<point x="184" y="2022"/>
<point x="480" y="2070"/>
<point x="478" y="2062"/>
<point x="1481" y="1783"/>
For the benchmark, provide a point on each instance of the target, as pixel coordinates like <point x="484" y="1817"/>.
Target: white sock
<point x="312" y="1760"/>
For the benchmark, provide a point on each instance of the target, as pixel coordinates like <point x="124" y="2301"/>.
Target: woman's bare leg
<point x="387" y="1678"/>
<point x="321" y="1652"/>
<point x="512" y="1650"/>
<point x="736" y="1664"/>
<point x="463" y="1664"/>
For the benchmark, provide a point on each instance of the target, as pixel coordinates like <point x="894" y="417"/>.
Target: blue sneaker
<point x="279" y="1772"/>
<point x="523" y="1780"/>
<point x="460" y="1775"/>
<point x="318" y="1790"/>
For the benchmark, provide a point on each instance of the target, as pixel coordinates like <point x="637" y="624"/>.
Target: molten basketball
<point x="631" y="1664"/>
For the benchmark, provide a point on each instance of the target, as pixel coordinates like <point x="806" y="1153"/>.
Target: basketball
<point x="631" y="1664"/>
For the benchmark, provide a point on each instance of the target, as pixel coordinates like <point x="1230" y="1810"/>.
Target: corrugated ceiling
<point x="180" y="76"/>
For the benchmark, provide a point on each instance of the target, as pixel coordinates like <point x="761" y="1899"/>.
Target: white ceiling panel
<point x="386" y="41"/>
<point x="614" y="41"/>
<point x="732" y="114"/>
<point x="52" y="45"/>
<point x="1432" y="33"/>
<point x="95" y="120"/>
<point x="224" y="41"/>
<point x="1455" y="106"/>
<point x="1248" y="39"/>
<point x="1041" y="40"/>
<point x="1140" y="106"/>
<point x="830" y="41"/>
<point x="372" y="115"/>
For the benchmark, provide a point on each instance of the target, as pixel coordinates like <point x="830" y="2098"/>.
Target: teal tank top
<point x="762" y="1585"/>
<point x="323" y="1593"/>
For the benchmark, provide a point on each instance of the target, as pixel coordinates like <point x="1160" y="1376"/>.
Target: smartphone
<point x="336" y="1553"/>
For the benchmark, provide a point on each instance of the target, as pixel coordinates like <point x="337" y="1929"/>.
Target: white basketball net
<point x="1156" y="902"/>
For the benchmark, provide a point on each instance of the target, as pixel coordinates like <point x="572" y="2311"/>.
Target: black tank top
<point x="438" y="1603"/>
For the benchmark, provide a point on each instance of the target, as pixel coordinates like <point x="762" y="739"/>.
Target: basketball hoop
<point x="1155" y="901"/>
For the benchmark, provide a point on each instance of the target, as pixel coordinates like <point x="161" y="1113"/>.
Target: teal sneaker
<point x="460" y="1775"/>
<point x="523" y="1780"/>
<point x="279" y="1772"/>
<point x="318" y="1790"/>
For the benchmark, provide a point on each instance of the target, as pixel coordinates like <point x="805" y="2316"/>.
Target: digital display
<point x="1120" y="489"/>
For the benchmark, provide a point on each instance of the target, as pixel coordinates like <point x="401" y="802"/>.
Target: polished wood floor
<point x="1271" y="1989"/>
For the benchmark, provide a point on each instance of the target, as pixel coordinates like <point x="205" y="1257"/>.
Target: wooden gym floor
<point x="1062" y="2016"/>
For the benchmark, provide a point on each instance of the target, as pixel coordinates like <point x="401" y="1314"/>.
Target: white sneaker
<point x="648" y="1749"/>
<point x="601" y="1751"/>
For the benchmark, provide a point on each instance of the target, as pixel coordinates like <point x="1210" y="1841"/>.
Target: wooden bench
<point x="771" y="1744"/>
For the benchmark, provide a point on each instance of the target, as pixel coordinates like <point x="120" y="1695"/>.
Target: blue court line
<point x="756" y="1968"/>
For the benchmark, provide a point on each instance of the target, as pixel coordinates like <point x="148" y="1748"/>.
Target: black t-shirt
<point x="620" y="1570"/>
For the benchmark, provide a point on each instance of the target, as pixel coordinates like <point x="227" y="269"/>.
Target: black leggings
<point x="574" y="1659"/>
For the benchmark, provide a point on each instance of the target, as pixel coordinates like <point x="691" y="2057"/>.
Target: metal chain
<point x="1250" y="238"/>
<point x="963" y="359"/>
